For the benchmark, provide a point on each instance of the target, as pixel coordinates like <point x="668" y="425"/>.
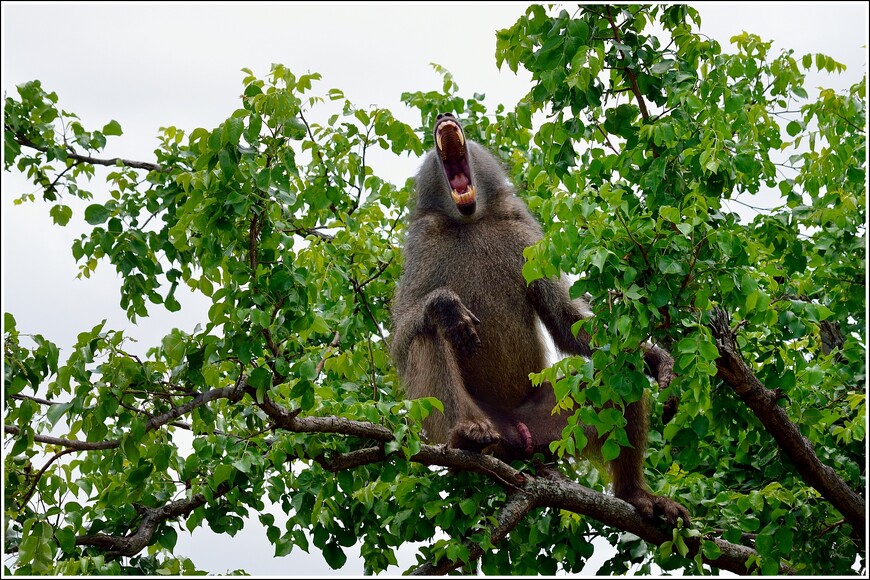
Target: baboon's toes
<point x="650" y="506"/>
<point x="671" y="510"/>
<point x="474" y="435"/>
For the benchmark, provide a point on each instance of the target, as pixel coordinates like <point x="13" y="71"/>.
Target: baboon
<point x="464" y="321"/>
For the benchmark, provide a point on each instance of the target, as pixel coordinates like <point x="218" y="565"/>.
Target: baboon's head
<point x="460" y="178"/>
<point x="453" y="152"/>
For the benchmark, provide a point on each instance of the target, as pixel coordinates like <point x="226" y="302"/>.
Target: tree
<point x="286" y="393"/>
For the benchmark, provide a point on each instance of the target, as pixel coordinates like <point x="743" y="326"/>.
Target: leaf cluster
<point x="634" y="148"/>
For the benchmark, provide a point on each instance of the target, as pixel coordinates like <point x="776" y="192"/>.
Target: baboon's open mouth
<point x="450" y="141"/>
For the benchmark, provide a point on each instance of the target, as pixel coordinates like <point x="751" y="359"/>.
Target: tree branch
<point x="555" y="490"/>
<point x="734" y="371"/>
<point x="319" y="368"/>
<point x="552" y="489"/>
<point x="39" y="475"/>
<point x="517" y="507"/>
<point x="548" y="489"/>
<point x="25" y="142"/>
<point x="632" y="78"/>
<point x="131" y="545"/>
<point x="67" y="443"/>
<point x="153" y="423"/>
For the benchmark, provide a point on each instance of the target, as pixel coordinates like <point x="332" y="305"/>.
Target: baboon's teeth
<point x="456" y="128"/>
<point x="464" y="198"/>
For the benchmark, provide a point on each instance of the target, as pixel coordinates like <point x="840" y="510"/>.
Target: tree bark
<point x="734" y="371"/>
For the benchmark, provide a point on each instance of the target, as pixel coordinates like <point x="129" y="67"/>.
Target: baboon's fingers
<point x="463" y="336"/>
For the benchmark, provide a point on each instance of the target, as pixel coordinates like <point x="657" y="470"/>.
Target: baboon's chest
<point x="485" y="268"/>
<point x="486" y="273"/>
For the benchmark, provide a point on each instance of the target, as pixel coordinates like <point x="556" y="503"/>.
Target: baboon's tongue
<point x="459" y="183"/>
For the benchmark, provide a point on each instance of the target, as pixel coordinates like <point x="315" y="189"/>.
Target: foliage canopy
<point x="633" y="148"/>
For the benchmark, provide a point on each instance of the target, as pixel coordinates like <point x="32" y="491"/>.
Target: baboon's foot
<point x="474" y="435"/>
<point x="649" y="505"/>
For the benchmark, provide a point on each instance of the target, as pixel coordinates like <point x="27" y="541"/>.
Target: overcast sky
<point x="156" y="64"/>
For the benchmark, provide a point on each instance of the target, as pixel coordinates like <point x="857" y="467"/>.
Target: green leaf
<point x="174" y="347"/>
<point x="711" y="550"/>
<point x="793" y="128"/>
<point x="260" y="378"/>
<point x="130" y="447"/>
<point x="168" y="538"/>
<point x="670" y="214"/>
<point x="708" y="351"/>
<point x="764" y="543"/>
<point x="734" y="103"/>
<point x="95" y="214"/>
<point x="66" y="539"/>
<point x="228" y="166"/>
<point x="56" y="411"/>
<point x="284" y="546"/>
<point x="599" y="258"/>
<point x="61" y="214"/>
<point x="334" y="556"/>
<point x="610" y="450"/>
<point x="661" y="66"/>
<point x="140" y="473"/>
<point x="112" y="128"/>
<point x="222" y="473"/>
<point x="234" y="126"/>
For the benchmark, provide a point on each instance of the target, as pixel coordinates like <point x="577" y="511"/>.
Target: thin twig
<point x="21" y="139"/>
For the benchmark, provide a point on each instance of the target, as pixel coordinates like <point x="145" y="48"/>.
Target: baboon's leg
<point x="629" y="483"/>
<point x="432" y="371"/>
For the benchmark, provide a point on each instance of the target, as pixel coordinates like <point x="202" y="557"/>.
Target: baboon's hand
<point x="661" y="365"/>
<point x="456" y="321"/>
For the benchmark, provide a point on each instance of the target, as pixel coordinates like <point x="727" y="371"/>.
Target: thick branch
<point x="552" y="489"/>
<point x="555" y="490"/>
<point x="198" y="401"/>
<point x="549" y="489"/>
<point x="151" y="519"/>
<point x="734" y="371"/>
<point x="67" y="443"/>
<point x="291" y="421"/>
<point x="24" y="141"/>
<point x="339" y="425"/>
<point x="526" y="492"/>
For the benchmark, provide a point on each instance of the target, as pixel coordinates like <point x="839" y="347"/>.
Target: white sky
<point x="149" y="65"/>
